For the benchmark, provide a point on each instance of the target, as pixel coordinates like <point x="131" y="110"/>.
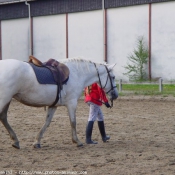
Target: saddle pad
<point x="43" y="75"/>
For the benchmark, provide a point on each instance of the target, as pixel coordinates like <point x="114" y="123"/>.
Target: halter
<point x="112" y="87"/>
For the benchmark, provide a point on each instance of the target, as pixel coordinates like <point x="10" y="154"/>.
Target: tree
<point x="138" y="61"/>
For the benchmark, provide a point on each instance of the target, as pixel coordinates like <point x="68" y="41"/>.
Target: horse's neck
<point x="88" y="73"/>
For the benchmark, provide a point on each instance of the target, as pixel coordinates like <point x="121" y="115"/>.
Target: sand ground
<point x="142" y="131"/>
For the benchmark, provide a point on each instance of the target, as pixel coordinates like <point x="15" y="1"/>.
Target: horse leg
<point x="72" y="116"/>
<point x="49" y="116"/>
<point x="3" y="119"/>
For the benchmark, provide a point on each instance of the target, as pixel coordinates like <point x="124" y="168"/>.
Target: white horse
<point x="17" y="80"/>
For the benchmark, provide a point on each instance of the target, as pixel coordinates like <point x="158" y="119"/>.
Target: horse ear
<point x="110" y="67"/>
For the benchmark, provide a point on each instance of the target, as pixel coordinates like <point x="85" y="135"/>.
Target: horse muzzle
<point x="113" y="95"/>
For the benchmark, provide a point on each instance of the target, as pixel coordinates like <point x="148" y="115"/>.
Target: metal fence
<point x="158" y="87"/>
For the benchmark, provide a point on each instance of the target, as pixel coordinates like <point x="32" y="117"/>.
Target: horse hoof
<point x="37" y="146"/>
<point x="16" y="145"/>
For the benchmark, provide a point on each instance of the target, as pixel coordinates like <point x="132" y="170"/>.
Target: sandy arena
<point x="142" y="131"/>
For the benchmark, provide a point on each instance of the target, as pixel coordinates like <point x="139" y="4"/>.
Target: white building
<point x="59" y="29"/>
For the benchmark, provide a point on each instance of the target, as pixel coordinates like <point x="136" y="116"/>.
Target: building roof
<point x="13" y="9"/>
<point x="12" y="1"/>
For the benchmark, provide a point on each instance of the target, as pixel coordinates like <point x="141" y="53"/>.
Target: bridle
<point x="108" y="77"/>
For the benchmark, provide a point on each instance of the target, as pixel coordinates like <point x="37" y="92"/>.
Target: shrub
<point x="136" y="68"/>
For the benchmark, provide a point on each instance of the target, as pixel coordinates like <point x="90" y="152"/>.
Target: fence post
<point x="160" y="85"/>
<point x="120" y="85"/>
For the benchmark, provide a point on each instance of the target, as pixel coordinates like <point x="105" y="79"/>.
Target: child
<point x="95" y="97"/>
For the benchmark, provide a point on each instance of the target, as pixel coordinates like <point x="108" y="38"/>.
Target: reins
<point x="112" y="87"/>
<point x="98" y="75"/>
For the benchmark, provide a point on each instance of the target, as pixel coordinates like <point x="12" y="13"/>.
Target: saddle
<point x="50" y="72"/>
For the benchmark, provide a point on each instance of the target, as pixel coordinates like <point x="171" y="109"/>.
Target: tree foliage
<point x="138" y="60"/>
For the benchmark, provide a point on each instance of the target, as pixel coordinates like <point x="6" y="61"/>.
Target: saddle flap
<point x="60" y="70"/>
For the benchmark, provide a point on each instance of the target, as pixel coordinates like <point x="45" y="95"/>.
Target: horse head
<point x="107" y="81"/>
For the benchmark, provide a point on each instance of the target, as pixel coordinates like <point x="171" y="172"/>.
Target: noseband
<point x="108" y="77"/>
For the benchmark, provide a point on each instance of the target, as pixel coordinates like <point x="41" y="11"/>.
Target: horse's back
<point x="18" y="80"/>
<point x="11" y="65"/>
<point x="11" y="61"/>
<point x="12" y="70"/>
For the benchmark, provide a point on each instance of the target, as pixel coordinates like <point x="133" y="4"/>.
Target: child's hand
<point x="107" y="105"/>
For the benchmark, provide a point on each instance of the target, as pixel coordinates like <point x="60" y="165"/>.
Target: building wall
<point x="125" y="25"/>
<point x="163" y="40"/>
<point x="14" y="35"/>
<point x="85" y="36"/>
<point x="49" y="37"/>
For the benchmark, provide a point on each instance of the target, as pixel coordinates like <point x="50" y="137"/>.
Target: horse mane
<point x="78" y="62"/>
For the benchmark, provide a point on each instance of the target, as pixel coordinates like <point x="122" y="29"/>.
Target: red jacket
<point x="95" y="94"/>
